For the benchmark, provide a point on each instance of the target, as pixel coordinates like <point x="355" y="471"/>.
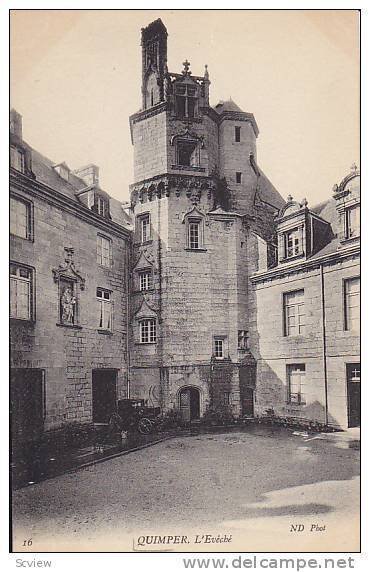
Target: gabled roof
<point x="42" y="167"/>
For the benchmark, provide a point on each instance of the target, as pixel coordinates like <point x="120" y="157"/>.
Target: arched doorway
<point x="189" y="401"/>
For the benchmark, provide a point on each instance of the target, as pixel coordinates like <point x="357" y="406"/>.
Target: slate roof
<point x="42" y="167"/>
<point x="228" y="105"/>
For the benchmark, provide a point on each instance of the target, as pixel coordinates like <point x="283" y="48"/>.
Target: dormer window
<point x="17" y="158"/>
<point x="352" y="222"/>
<point x="102" y="206"/>
<point x="293" y="242"/>
<point x="186" y="100"/>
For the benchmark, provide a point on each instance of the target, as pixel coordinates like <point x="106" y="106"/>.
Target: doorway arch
<point x="189" y="403"/>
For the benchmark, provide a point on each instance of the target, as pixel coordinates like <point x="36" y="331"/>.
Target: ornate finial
<point x="354" y="168"/>
<point x="304" y="202"/>
<point x="289" y="199"/>
<point x="335" y="189"/>
<point x="186" y="65"/>
<point x="206" y="74"/>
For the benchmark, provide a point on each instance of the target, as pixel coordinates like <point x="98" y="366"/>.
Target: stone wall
<point x="274" y="351"/>
<point x="67" y="354"/>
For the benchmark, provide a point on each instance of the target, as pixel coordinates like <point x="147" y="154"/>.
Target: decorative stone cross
<point x="186" y="65"/>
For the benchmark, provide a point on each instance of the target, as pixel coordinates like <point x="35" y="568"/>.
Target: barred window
<point x="148" y="331"/>
<point x="104" y="251"/>
<point x="352" y="304"/>
<point x="20" y="219"/>
<point x="21" y="283"/>
<point x="104" y="309"/>
<point x="294" y="313"/>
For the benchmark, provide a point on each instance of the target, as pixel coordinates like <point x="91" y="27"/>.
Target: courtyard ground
<point x="266" y="489"/>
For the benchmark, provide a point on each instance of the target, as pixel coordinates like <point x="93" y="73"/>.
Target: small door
<point x="354" y="394"/>
<point x="27" y="404"/>
<point x="104" y="394"/>
<point x="248" y="401"/>
<point x="190" y="404"/>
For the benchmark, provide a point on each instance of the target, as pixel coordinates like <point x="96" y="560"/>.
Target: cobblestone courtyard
<point x="251" y="486"/>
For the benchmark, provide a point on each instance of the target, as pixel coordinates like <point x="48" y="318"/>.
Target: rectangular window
<point x="102" y="206"/>
<point x="242" y="340"/>
<point x="148" y="331"/>
<point x="237" y="134"/>
<point x="187" y="154"/>
<point x="20" y="218"/>
<point x="296" y="374"/>
<point x="352" y="304"/>
<point x="219" y="348"/>
<point x="294" y="313"/>
<point x="194" y="234"/>
<point x="104" y="309"/>
<point x="17" y="159"/>
<point x="144" y="226"/>
<point x="104" y="251"/>
<point x="20" y="292"/>
<point x="293" y="243"/>
<point x="353" y="222"/>
<point x="238" y="177"/>
<point x="227" y="398"/>
<point x="145" y="280"/>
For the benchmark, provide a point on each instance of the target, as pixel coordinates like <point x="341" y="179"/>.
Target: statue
<point x="68" y="303"/>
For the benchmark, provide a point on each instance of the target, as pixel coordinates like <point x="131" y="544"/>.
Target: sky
<point x="75" y="78"/>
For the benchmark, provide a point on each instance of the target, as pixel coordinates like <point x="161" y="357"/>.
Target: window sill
<point x="196" y="249"/>
<point x="105" y="267"/>
<point x="188" y="168"/>
<point x="149" y="290"/>
<point x="145" y="243"/>
<point x="70" y="326"/>
<point x="350" y="240"/>
<point x="290" y="258"/>
<point x="26" y="238"/>
<point x="145" y="343"/>
<point x="105" y="332"/>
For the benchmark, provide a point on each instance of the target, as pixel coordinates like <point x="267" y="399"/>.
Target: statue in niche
<point x="68" y="304"/>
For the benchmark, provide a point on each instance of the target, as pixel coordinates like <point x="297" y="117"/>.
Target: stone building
<point x="200" y="204"/>
<point x="207" y="291"/>
<point x="305" y="323"/>
<point x="69" y="272"/>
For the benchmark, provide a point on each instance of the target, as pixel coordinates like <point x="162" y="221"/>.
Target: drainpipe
<point x="128" y="319"/>
<point x="324" y="342"/>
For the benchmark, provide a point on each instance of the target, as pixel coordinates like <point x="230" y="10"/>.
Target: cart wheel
<point x="144" y="426"/>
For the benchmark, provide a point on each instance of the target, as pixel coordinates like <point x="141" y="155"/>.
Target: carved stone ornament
<point x="67" y="270"/>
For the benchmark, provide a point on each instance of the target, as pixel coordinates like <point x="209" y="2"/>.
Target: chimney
<point x="89" y="173"/>
<point x="16" y="123"/>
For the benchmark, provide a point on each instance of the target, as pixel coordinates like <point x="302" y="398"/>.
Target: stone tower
<point x="202" y="210"/>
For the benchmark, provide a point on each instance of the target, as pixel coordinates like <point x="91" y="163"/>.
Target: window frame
<point x="237" y="133"/>
<point x="20" y="153"/>
<point x="194" y="156"/>
<point x="149" y="274"/>
<point x="238" y="177"/>
<point x="31" y="281"/>
<point x="140" y="226"/>
<point x="151" y="330"/>
<point x="185" y="97"/>
<point x="219" y="342"/>
<point x="347" y="222"/>
<point x="296" y="230"/>
<point x="286" y="330"/>
<point x="102" y="304"/>
<point x="346" y="320"/>
<point x="29" y="216"/>
<point x="301" y="395"/>
<point x="102" y="237"/>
